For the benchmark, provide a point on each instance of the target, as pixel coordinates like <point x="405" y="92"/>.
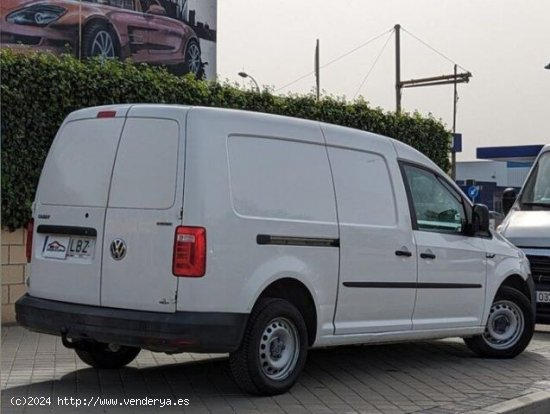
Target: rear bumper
<point x="166" y="332"/>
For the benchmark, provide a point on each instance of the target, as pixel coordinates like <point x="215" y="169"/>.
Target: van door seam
<point x="107" y="205"/>
<point x="337" y="228"/>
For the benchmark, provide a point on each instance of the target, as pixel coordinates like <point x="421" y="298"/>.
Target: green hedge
<point x="39" y="90"/>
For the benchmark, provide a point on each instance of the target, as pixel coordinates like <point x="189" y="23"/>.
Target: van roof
<point x="123" y="110"/>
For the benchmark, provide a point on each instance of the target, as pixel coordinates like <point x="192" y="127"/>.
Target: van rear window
<point x="146" y="165"/>
<point x="78" y="168"/>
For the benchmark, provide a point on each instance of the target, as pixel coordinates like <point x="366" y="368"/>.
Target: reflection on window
<point x="438" y="207"/>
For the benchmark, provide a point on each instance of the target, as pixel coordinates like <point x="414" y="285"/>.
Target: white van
<point x="527" y="225"/>
<point x="178" y="229"/>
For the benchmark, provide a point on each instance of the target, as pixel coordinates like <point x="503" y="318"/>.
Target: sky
<point x="505" y="44"/>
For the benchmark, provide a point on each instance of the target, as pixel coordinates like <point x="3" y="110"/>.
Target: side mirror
<point x="480" y="219"/>
<point x="157" y="10"/>
<point x="508" y="199"/>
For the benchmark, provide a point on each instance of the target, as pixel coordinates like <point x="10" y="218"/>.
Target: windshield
<point x="537" y="187"/>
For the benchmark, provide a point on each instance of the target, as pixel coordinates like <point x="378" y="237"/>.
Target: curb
<point x="534" y="403"/>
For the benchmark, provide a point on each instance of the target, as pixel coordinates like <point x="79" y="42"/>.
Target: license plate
<point x="61" y="247"/>
<point x="543" y="297"/>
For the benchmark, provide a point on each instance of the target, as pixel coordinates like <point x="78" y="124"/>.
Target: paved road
<point x="428" y="377"/>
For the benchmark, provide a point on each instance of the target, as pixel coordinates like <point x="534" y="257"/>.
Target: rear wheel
<point x="107" y="356"/>
<point x="509" y="327"/>
<point x="98" y="40"/>
<point x="273" y="350"/>
<point x="193" y="63"/>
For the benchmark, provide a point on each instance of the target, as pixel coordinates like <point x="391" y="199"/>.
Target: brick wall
<point x="13" y="271"/>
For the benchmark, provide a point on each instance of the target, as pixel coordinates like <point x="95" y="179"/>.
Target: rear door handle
<point x="403" y="253"/>
<point x="427" y="255"/>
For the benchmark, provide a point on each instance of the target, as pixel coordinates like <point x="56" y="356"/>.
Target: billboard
<point x="177" y="34"/>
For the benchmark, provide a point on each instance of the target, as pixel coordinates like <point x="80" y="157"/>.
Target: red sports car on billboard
<point x="137" y="29"/>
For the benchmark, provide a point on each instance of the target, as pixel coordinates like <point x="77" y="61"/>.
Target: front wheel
<point x="509" y="327"/>
<point x="193" y="63"/>
<point x="106" y="356"/>
<point x="273" y="350"/>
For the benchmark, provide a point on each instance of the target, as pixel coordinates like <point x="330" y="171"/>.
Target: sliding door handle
<point x="427" y="255"/>
<point x="403" y="253"/>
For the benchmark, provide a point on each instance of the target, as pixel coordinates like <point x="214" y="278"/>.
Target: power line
<point x="336" y="59"/>
<point x="374" y="64"/>
<point x="357" y="48"/>
<point x="294" y="81"/>
<point x="434" y="49"/>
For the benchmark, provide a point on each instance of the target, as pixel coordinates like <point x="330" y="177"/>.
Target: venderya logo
<point x="55" y="246"/>
<point x="118" y="249"/>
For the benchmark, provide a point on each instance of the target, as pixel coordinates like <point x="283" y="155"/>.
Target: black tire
<point x="512" y="309"/>
<point x="101" y="355"/>
<point x="99" y="40"/>
<point x="249" y="365"/>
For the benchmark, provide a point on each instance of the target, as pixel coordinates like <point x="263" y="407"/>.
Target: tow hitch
<point x="73" y="344"/>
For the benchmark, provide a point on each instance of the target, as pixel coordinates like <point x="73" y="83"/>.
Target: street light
<point x="246" y="75"/>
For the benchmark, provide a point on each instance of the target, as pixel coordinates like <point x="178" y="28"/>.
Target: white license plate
<point x="543" y="297"/>
<point x="61" y="247"/>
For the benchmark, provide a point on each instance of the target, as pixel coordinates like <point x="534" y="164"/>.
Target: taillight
<point x="28" y="250"/>
<point x="189" y="252"/>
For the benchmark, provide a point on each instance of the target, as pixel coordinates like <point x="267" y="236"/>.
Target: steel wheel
<point x="510" y="326"/>
<point x="273" y="350"/>
<point x="279" y="349"/>
<point x="505" y="325"/>
<point x="103" y="45"/>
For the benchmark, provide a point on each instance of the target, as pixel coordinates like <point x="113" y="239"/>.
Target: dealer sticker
<point x="56" y="247"/>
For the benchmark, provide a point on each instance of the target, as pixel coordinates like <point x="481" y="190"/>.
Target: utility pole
<point x="317" y="71"/>
<point x="80" y="30"/>
<point x="397" y="28"/>
<point x="453" y="152"/>
<point x="455" y="79"/>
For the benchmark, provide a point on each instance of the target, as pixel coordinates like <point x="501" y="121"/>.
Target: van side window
<point x="436" y="205"/>
<point x="146" y="165"/>
<point x="279" y="179"/>
<point x="363" y="186"/>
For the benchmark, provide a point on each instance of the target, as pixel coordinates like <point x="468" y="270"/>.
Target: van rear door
<point x="144" y="209"/>
<point x="70" y="206"/>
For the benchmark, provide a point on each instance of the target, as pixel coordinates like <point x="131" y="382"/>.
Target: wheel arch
<point x="192" y="39"/>
<point x="515" y="281"/>
<point x="297" y="293"/>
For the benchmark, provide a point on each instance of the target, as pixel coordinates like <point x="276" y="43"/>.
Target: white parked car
<point x="178" y="229"/>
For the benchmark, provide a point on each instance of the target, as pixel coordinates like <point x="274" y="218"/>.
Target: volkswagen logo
<point x="118" y="249"/>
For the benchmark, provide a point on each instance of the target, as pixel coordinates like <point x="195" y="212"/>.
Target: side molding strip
<point x="412" y="285"/>
<point x="264" y="239"/>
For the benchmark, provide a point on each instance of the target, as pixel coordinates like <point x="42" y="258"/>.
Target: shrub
<point x="39" y="90"/>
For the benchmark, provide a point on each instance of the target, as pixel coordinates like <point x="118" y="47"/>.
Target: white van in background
<point x="527" y="225"/>
<point x="184" y="229"/>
